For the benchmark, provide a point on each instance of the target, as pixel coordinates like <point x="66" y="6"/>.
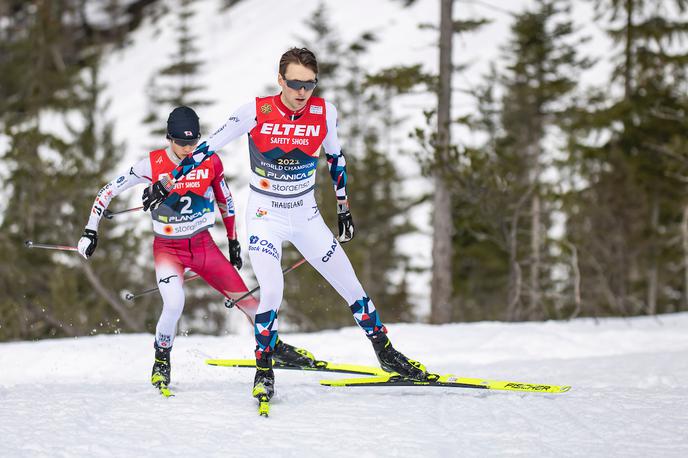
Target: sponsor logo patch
<point x="262" y="246"/>
<point x="164" y="340"/>
<point x="316" y="212"/>
<point x="316" y="109"/>
<point x="166" y="280"/>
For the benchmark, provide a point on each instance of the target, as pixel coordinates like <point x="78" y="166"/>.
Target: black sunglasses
<point x="180" y="142"/>
<point x="298" y="84"/>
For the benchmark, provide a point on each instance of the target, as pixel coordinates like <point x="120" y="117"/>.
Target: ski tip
<point x="264" y="409"/>
<point x="565" y="388"/>
<point x="263" y="403"/>
<point x="165" y="392"/>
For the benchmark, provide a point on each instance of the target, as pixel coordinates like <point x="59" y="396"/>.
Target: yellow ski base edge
<point x="448" y="381"/>
<point x="325" y="366"/>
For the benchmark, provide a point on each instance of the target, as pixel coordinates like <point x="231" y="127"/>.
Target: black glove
<point x="235" y="254"/>
<point x="88" y="243"/>
<point x="156" y="193"/>
<point x="345" y="223"/>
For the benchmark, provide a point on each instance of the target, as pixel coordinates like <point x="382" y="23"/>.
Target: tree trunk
<point x="684" y="239"/>
<point x="652" y="270"/>
<point x="130" y="321"/>
<point x="440" y="297"/>
<point x="535" y="237"/>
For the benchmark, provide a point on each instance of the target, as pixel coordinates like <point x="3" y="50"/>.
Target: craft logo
<point x="159" y="160"/>
<point x="331" y="251"/>
<point x="266" y="108"/>
<point x="261" y="212"/>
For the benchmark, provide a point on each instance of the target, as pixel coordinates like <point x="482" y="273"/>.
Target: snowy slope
<point x="90" y="396"/>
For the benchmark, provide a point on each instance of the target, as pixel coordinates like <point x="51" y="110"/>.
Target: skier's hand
<point x="88" y="243"/>
<point x="345" y="222"/>
<point x="156" y="193"/>
<point x="235" y="254"/>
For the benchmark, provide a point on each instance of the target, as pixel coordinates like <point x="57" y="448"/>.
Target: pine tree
<point x="502" y="205"/>
<point x="627" y="220"/>
<point x="176" y="84"/>
<point x="52" y="67"/>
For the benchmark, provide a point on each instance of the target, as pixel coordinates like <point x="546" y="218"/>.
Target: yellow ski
<point x="448" y="381"/>
<point x="322" y="366"/>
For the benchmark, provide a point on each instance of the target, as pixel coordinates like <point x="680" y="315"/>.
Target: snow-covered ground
<point x="91" y="396"/>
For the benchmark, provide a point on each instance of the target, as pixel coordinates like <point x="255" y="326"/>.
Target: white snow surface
<point x="91" y="396"/>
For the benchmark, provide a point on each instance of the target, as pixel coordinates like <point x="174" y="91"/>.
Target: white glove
<point x="88" y="243"/>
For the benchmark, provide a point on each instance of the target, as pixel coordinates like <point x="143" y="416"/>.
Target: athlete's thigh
<point x="219" y="273"/>
<point x="169" y="272"/>
<point x="321" y="249"/>
<point x="267" y="229"/>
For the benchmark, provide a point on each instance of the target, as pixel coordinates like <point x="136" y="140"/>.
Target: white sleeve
<point x="331" y="142"/>
<point x="239" y="123"/>
<point x="137" y="174"/>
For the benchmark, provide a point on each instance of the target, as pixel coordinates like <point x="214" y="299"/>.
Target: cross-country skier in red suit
<point x="182" y="240"/>
<point x="285" y="133"/>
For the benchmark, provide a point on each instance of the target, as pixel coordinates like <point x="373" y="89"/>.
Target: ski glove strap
<point x="235" y="254"/>
<point x="156" y="193"/>
<point x="345" y="223"/>
<point x="88" y="243"/>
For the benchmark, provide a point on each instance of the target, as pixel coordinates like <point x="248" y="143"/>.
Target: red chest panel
<point x="274" y="131"/>
<point x="197" y="181"/>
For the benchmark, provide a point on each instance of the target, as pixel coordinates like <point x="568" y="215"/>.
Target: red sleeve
<point x="223" y="197"/>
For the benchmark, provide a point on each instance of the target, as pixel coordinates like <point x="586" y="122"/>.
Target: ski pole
<point x="47" y="246"/>
<point x="109" y="214"/>
<point x="229" y="303"/>
<point x="132" y="296"/>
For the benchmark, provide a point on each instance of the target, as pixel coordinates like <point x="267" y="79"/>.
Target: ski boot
<point x="393" y="361"/>
<point x="264" y="383"/>
<point x="160" y="377"/>
<point x="288" y="354"/>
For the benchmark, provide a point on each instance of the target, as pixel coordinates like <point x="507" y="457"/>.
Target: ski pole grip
<point x="107" y="214"/>
<point x="28" y="244"/>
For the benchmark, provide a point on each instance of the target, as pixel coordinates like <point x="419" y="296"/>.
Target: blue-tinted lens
<point x="297" y="84"/>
